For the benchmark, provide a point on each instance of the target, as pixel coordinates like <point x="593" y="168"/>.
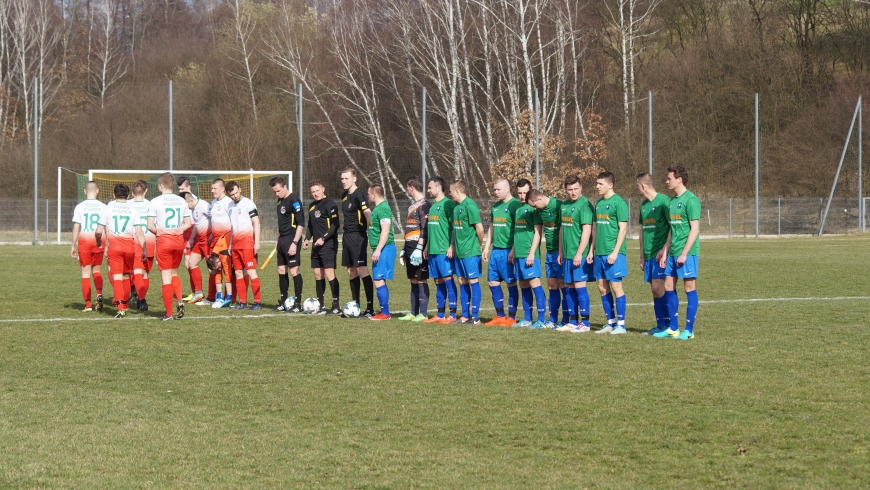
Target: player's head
<point x="318" y="191"/>
<point x="573" y="186"/>
<point x="140" y="187"/>
<point x="234" y="191"/>
<point x="213" y="262"/>
<point x="188" y="196"/>
<point x="678" y="178"/>
<point x="457" y="190"/>
<point x="435" y="187"/>
<point x="92" y="189"/>
<point x="121" y="191"/>
<point x="183" y="184"/>
<point x="501" y="189"/>
<point x="165" y="183"/>
<point x="536" y="199"/>
<point x="523" y="188"/>
<point x="348" y="178"/>
<point x="644" y="182"/>
<point x="375" y="194"/>
<point x="604" y="183"/>
<point x="279" y="187"/>
<point x="218" y="188"/>
<point x="414" y="187"/>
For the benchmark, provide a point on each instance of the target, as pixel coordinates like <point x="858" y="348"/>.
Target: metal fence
<point x="720" y="217"/>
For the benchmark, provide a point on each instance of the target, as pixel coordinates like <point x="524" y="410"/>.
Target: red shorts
<point x="170" y="251"/>
<point x="200" y="246"/>
<point x="120" y="261"/>
<point x="145" y="266"/>
<point x="90" y="257"/>
<point x="244" y="259"/>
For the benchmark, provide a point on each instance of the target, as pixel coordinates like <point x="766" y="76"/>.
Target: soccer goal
<point x="253" y="183"/>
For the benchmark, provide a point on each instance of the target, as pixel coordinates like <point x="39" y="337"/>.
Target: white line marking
<point x="296" y="315"/>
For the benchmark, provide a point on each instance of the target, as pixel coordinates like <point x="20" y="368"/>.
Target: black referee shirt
<point x="290" y="215"/>
<point x="323" y="220"/>
<point x="353" y="205"/>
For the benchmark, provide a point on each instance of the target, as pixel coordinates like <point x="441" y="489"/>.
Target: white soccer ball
<point x="311" y="305"/>
<point x="351" y="309"/>
<point x="289" y="302"/>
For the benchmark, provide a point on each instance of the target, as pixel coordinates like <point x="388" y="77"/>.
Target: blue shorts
<point x="652" y="270"/>
<point x="469" y="267"/>
<point x="383" y="269"/>
<point x="689" y="270"/>
<point x="611" y="272"/>
<point x="525" y="273"/>
<point x="499" y="268"/>
<point x="440" y="266"/>
<point x="551" y="264"/>
<point x="571" y="274"/>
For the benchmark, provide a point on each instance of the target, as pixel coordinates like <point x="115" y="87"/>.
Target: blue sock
<point x="451" y="294"/>
<point x="555" y="301"/>
<point x="476" y="296"/>
<point x="612" y="307"/>
<point x="608" y="307"/>
<point x="229" y="298"/>
<point x="691" y="310"/>
<point x="567" y="305"/>
<point x="621" y="303"/>
<point x="527" y="304"/>
<point x="440" y="297"/>
<point x="384" y="299"/>
<point x="219" y="297"/>
<point x="513" y="296"/>
<point x="541" y="303"/>
<point x="415" y="299"/>
<point x="464" y="298"/>
<point x="583" y="304"/>
<point x="673" y="309"/>
<point x="498" y="299"/>
<point x="657" y="308"/>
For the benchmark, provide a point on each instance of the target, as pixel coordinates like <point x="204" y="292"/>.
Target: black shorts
<point x="323" y="257"/>
<point x="419" y="272"/>
<point x="354" y="250"/>
<point x="284" y="258"/>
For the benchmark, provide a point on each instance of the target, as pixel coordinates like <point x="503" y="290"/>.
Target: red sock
<point x="212" y="288"/>
<point x="255" y="287"/>
<point x="140" y="285"/>
<point x="125" y="293"/>
<point x="147" y="286"/>
<point x="86" y="291"/>
<point x="176" y="287"/>
<point x="196" y="279"/>
<point x="98" y="282"/>
<point x="167" y="298"/>
<point x="192" y="284"/>
<point x="241" y="291"/>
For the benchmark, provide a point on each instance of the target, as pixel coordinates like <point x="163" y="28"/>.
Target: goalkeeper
<point x="413" y="254"/>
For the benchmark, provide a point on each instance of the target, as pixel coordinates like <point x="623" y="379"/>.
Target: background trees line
<point x="103" y="67"/>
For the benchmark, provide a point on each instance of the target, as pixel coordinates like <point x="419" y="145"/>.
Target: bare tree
<point x="110" y="64"/>
<point x="243" y="45"/>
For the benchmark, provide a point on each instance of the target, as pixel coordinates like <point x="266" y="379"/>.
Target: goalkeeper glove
<point x="402" y="257"/>
<point x="417" y="257"/>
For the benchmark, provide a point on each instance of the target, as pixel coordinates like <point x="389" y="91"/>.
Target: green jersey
<point x="525" y="220"/>
<point x="502" y="218"/>
<point x="439" y="226"/>
<point x="381" y="215"/>
<point x="465" y="215"/>
<point x="683" y="209"/>
<point x="551" y="223"/>
<point x="653" y="220"/>
<point x="608" y="214"/>
<point x="573" y="215"/>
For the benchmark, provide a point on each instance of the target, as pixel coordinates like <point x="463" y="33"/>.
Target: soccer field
<point x="771" y="392"/>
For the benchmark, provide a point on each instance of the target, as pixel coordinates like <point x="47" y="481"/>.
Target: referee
<point x="354" y="255"/>
<point x="291" y="227"/>
<point x="323" y="235"/>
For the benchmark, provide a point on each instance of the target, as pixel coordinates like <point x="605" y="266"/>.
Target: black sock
<point x="320" y="285"/>
<point x="354" y="289"/>
<point x="424" y="298"/>
<point x="284" y="285"/>
<point x="370" y="292"/>
<point x="333" y="286"/>
<point x="415" y="299"/>
<point x="297" y="287"/>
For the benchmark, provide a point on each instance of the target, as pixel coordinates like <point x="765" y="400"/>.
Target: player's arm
<point x="485" y="246"/>
<point x="386" y="228"/>
<point x="663" y="253"/>
<point x="536" y="245"/>
<point x="140" y="236"/>
<point x="73" y="251"/>
<point x="620" y="237"/>
<point x="560" y="256"/>
<point x="694" y="231"/>
<point x="256" y="222"/>
<point x="150" y="226"/>
<point x="300" y="227"/>
<point x="590" y="258"/>
<point x="478" y="227"/>
<point x="640" y="242"/>
<point x="585" y="237"/>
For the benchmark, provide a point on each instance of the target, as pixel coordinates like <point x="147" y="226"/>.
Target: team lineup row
<point x="443" y="238"/>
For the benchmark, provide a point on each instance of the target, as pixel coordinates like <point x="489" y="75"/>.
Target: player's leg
<point x="166" y="290"/>
<point x="423" y="291"/>
<point x="672" y="301"/>
<point x="319" y="282"/>
<point x="414" y="296"/>
<point x="526" y="297"/>
<point x="86" y="286"/>
<point x="241" y="289"/>
<point x="383" y="299"/>
<point x="660" y="306"/>
<point x="382" y="271"/>
<point x="689" y="273"/>
<point x="606" y="304"/>
<point x="621" y="304"/>
<point x="368" y="286"/>
<point x="193" y="261"/>
<point x="98" y="278"/>
<point x="329" y="273"/>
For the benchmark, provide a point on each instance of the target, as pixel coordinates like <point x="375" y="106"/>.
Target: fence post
<point x="778" y="215"/>
<point x="46" y="221"/>
<point x="730" y="204"/>
<point x="35" y="158"/>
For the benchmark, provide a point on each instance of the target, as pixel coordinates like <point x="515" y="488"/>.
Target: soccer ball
<point x="351" y="309"/>
<point x="289" y="302"/>
<point x="311" y="305"/>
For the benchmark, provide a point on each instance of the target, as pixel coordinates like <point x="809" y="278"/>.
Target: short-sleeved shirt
<point x="242" y="216"/>
<point x="683" y="208"/>
<point x="501" y="216"/>
<point x="381" y="215"/>
<point x="87" y="214"/>
<point x="121" y="220"/>
<point x="321" y="215"/>
<point x="354" y="206"/>
<point x="221" y="224"/>
<point x="142" y="208"/>
<point x="551" y="222"/>
<point x="608" y="214"/>
<point x="465" y="216"/>
<point x="525" y="220"/>
<point x="440" y="226"/>
<point x="416" y="222"/>
<point x="169" y="211"/>
<point x="290" y="215"/>
<point x="201" y="217"/>
<point x="573" y="215"/>
<point x="653" y="220"/>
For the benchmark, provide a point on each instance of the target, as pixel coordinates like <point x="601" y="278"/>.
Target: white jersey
<point x="220" y="216"/>
<point x="241" y="215"/>
<point x="142" y="207"/>
<point x="121" y="220"/>
<point x="168" y="211"/>
<point x="87" y="214"/>
<point x="201" y="216"/>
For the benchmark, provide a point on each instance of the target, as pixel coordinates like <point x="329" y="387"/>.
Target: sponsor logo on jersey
<point x="607" y="206"/>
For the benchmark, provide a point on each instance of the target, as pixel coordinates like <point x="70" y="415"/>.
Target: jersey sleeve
<point x="622" y="212"/>
<point x="332" y="212"/>
<point x="473" y="215"/>
<point x="252" y="209"/>
<point x="152" y="209"/>
<point x="104" y="216"/>
<point x="640" y="215"/>
<point x="693" y="209"/>
<point x="361" y="202"/>
<point x="77" y="215"/>
<point x="587" y="214"/>
<point x="535" y="218"/>
<point x="423" y="219"/>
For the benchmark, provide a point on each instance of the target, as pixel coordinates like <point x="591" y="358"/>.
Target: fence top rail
<point x="195" y="172"/>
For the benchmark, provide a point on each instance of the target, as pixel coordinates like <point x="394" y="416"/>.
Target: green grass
<point x="271" y="401"/>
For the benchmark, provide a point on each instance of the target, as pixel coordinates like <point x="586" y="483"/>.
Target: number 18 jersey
<point x="87" y="214"/>
<point x="169" y="211"/>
